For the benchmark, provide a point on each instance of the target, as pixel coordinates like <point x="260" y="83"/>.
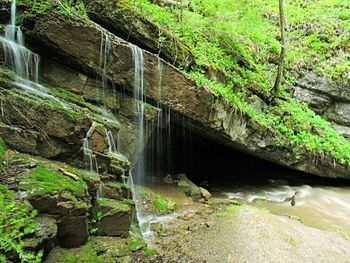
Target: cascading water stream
<point x="161" y="143"/>
<point x="21" y="60"/>
<point x="89" y="156"/>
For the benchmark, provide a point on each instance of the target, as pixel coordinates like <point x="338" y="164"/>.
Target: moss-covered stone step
<point x="113" y="217"/>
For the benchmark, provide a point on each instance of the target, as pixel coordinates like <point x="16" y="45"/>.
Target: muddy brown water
<point x="324" y="205"/>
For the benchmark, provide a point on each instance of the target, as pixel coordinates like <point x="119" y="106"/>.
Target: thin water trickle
<point x="111" y="142"/>
<point x="90" y="157"/>
<point x="105" y="50"/>
<point x="137" y="55"/>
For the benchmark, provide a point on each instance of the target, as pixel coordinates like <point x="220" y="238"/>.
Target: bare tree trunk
<point x="283" y="48"/>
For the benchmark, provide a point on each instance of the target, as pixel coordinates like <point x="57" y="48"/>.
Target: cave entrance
<point x="180" y="150"/>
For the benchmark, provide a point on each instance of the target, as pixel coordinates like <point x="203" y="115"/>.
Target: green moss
<point x="157" y="203"/>
<point x="70" y="111"/>
<point x="230" y="210"/>
<point x="150" y="252"/>
<point x="135" y="244"/>
<point x="89" y="178"/>
<point x="83" y="108"/>
<point x="346" y="234"/>
<point x="16" y="222"/>
<point x="6" y="76"/>
<point x="37" y="7"/>
<point x="46" y="179"/>
<point x="100" y="250"/>
<point x="71" y="97"/>
<point x="117" y="185"/>
<point x="85" y="254"/>
<point x="161" y="205"/>
<point x="110" y="206"/>
<point x="298" y="218"/>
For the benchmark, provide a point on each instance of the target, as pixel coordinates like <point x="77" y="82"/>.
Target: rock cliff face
<point x="332" y="100"/>
<point x="209" y="114"/>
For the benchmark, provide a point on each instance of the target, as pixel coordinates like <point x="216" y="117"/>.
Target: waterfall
<point x="160" y="160"/>
<point x="137" y="55"/>
<point x="89" y="157"/>
<point x="105" y="50"/>
<point x="21" y="60"/>
<point x="111" y="142"/>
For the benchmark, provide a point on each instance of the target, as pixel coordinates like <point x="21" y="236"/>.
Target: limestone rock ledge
<point x="329" y="99"/>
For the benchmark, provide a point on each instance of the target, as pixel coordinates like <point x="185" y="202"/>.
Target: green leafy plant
<point x="16" y="222"/>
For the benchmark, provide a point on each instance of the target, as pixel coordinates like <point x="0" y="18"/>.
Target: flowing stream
<point x="317" y="203"/>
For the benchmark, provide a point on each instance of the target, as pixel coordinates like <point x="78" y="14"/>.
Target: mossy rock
<point x="44" y="236"/>
<point x="84" y="254"/>
<point x="155" y="203"/>
<point x="116" y="190"/>
<point x="100" y="249"/>
<point x="113" y="218"/>
<point x="45" y="185"/>
<point x="6" y="76"/>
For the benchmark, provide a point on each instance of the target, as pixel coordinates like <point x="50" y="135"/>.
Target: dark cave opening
<point x="202" y="159"/>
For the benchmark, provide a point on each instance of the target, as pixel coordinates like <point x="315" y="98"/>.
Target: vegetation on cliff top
<point x="65" y="7"/>
<point x="240" y="40"/>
